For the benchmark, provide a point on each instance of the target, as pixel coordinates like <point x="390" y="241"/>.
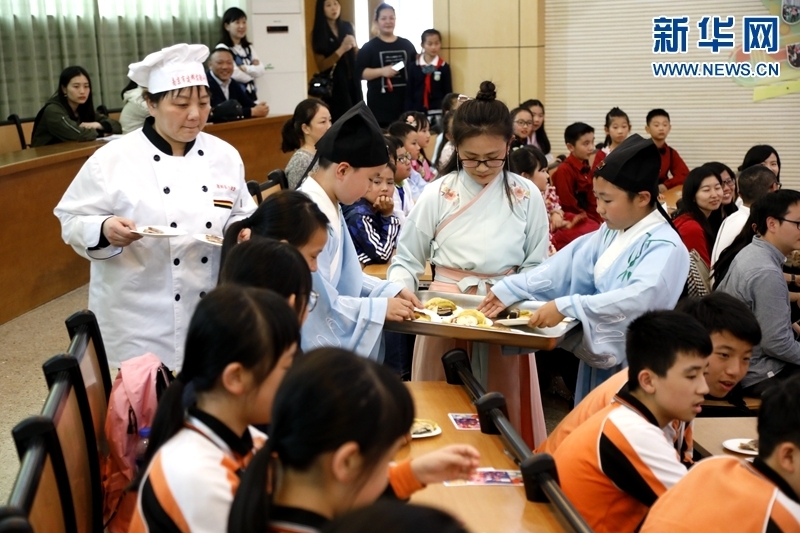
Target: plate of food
<point x="442" y="307"/>
<point x="163" y="232"/>
<point x="744" y="446"/>
<point x="423" y="428"/>
<point x="214" y="240"/>
<point x="426" y="315"/>
<point x="468" y="317"/>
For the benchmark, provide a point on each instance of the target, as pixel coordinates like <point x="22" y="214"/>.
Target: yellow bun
<point x="439" y="303"/>
<point x="470" y="317"/>
<point x="421" y="316"/>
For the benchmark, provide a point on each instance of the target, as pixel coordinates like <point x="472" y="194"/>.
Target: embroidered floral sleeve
<point x="551" y="199"/>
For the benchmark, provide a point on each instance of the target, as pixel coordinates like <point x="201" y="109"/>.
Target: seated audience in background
<point x="634" y="263"/>
<point x="702" y="195"/>
<point x="529" y="162"/>
<point x="444" y="143"/>
<point x="327" y="459"/>
<point x="734" y="331"/>
<point x="388" y="516"/>
<point x="725" y="493"/>
<point x="223" y="87"/>
<point x="134" y="111"/>
<point x="310" y="121"/>
<point x="754" y="182"/>
<point x="371" y="221"/>
<point x="234" y="37"/>
<point x="538" y="137"/>
<point x="763" y="154"/>
<point x="420" y="123"/>
<point x="673" y="169"/>
<point x="406" y="133"/>
<point x="69" y="114"/>
<point x="240" y="343"/>
<point x="522" y="121"/>
<point x="730" y="192"/>
<point x="429" y="78"/>
<point x="615" y="466"/>
<point x="573" y="178"/>
<point x="755" y="276"/>
<point x="403" y="195"/>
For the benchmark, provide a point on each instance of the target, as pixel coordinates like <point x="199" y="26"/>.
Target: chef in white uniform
<point x="168" y="173"/>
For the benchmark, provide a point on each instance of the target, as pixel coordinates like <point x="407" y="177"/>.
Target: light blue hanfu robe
<point x="606" y="279"/>
<point x="351" y="309"/>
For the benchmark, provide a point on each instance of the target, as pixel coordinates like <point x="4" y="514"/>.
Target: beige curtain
<point x="39" y="38"/>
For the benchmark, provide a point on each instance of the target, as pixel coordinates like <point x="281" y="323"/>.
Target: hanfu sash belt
<point x="466" y="281"/>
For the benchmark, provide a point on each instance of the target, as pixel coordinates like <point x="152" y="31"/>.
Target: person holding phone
<point x="382" y="62"/>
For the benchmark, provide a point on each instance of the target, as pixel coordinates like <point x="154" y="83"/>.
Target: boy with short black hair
<point x="573" y="178"/>
<point x="429" y="78"/>
<point x="734" y="332"/>
<point x="615" y="465"/>
<point x="673" y="169"/>
<point x="727" y="494"/>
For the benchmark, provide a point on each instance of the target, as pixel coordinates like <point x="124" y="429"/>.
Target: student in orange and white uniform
<point x="723" y="494"/>
<point x="388" y="516"/>
<point x="615" y="465"/>
<point x="337" y="422"/>
<point x="239" y="344"/>
<point x="734" y="331"/>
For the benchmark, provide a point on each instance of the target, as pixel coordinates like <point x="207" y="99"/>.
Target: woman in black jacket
<point x="69" y="114"/>
<point x="334" y="44"/>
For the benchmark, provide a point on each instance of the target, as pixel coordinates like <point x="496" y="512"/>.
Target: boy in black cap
<point x="352" y="306"/>
<point x="634" y="263"/>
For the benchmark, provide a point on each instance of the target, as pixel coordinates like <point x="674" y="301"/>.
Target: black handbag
<point x="321" y="86"/>
<point x="226" y="111"/>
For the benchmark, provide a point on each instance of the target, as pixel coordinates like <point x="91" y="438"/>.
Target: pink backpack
<point x="131" y="407"/>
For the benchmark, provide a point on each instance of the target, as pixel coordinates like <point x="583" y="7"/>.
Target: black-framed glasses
<point x="795" y="222"/>
<point x="475" y="163"/>
<point x="523" y="122"/>
<point x="727" y="183"/>
<point x="405" y="158"/>
<point x="313" y="298"/>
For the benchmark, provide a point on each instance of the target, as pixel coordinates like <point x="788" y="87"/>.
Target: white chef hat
<point x="174" y="67"/>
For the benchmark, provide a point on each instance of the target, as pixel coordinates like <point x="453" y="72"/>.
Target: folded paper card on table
<point x="455" y="316"/>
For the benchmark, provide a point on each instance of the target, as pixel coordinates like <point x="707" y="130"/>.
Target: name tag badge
<point x="437" y="76"/>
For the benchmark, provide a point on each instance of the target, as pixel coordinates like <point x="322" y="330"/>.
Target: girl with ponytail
<point x="239" y="345"/>
<point x="338" y="420"/>
<point x="476" y="224"/>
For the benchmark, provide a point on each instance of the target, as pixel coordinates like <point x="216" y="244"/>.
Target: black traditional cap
<point x="356" y="139"/>
<point x="633" y="166"/>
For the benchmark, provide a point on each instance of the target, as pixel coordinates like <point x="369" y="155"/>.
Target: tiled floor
<point x="25" y="343"/>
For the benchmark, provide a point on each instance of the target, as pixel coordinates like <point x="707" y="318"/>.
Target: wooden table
<point x="672" y="196"/>
<point x="710" y="433"/>
<point x="482" y="509"/>
<point x="37" y="266"/>
<point x="379" y="271"/>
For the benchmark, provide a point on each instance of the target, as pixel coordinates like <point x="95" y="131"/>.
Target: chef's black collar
<point x="241" y="445"/>
<point x="158" y="141"/>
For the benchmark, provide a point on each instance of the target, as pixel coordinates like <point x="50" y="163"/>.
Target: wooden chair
<point x="68" y="407"/>
<point x="261" y="191"/>
<point x="86" y="346"/>
<point x="41" y="499"/>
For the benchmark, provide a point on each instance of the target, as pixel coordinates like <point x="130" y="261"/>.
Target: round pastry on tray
<point x="441" y="306"/>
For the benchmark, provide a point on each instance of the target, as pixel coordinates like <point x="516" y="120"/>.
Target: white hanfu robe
<point x="606" y="279"/>
<point x="351" y="309"/>
<point x="474" y="235"/>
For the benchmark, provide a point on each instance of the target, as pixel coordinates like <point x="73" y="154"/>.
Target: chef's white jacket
<point x="144" y="294"/>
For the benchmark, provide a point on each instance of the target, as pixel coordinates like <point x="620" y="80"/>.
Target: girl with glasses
<point x="522" y="123"/>
<point x="476" y="224"/>
<point x="403" y="195"/>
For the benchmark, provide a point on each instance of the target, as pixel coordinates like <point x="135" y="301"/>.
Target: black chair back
<point x="18" y="124"/>
<point x="278" y="176"/>
<point x="68" y="407"/>
<point x="255" y="191"/>
<point x="41" y="495"/>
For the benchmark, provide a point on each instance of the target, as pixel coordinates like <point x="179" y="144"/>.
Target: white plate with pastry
<point x="423" y="428"/>
<point x="159" y="232"/>
<point x="213" y="240"/>
<point x="743" y="446"/>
